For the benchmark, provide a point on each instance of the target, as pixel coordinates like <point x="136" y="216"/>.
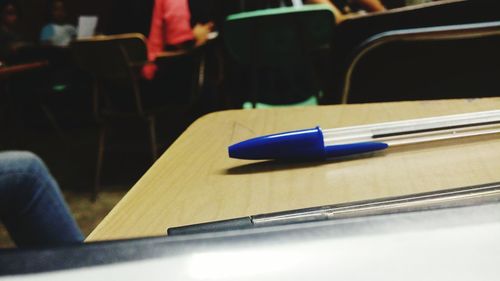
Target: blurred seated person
<point x="58" y="32"/>
<point x="10" y="38"/>
<point x="171" y="31"/>
<point x="367" y="5"/>
<point x="417" y="2"/>
<point x="31" y="205"/>
<point x="342" y="13"/>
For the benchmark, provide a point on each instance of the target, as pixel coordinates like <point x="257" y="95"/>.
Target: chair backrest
<point x="459" y="61"/>
<point x="110" y="60"/>
<point x="110" y="56"/>
<point x="218" y="10"/>
<point x="278" y="37"/>
<point x="277" y="46"/>
<point x="349" y="34"/>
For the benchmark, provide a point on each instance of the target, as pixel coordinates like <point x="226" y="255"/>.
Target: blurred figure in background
<point x="340" y="12"/>
<point x="171" y="30"/>
<point x="58" y="32"/>
<point x="417" y="2"/>
<point x="368" y="5"/>
<point x="31" y="205"/>
<point x="10" y="39"/>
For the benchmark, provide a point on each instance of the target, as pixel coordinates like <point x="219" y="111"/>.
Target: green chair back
<point x="279" y="37"/>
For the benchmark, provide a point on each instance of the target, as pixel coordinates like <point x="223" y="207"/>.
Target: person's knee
<point x="23" y="176"/>
<point x="24" y="162"/>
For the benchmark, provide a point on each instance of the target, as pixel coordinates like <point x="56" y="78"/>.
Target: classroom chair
<point x="457" y="61"/>
<point x="280" y="43"/>
<point x="349" y="34"/>
<point x="114" y="63"/>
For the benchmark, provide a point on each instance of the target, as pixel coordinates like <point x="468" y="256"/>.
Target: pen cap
<point x="302" y="144"/>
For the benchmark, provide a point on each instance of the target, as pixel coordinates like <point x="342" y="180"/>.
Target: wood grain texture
<point x="194" y="181"/>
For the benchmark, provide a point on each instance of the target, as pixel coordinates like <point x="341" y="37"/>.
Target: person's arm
<point x="336" y="12"/>
<point x="72" y="31"/>
<point x="201" y="31"/>
<point x="47" y="34"/>
<point x="370" y="5"/>
<point x="155" y="41"/>
<point x="156" y="35"/>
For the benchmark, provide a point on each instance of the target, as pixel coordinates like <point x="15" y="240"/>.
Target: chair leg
<point x="52" y="120"/>
<point x="100" y="157"/>
<point x="152" y="137"/>
<point x="199" y="76"/>
<point x="255" y="86"/>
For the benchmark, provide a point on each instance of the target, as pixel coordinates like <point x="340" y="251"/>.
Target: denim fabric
<point x="31" y="205"/>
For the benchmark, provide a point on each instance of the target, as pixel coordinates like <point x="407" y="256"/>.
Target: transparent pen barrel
<point x="418" y="130"/>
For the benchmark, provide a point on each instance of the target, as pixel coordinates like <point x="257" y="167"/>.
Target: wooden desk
<point x="195" y="181"/>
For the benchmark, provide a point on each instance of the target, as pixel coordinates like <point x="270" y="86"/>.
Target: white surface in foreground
<point x="462" y="253"/>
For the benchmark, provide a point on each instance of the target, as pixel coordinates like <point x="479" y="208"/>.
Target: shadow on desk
<point x="275" y="165"/>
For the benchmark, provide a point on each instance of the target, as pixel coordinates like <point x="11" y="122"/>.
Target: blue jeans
<point x="31" y="205"/>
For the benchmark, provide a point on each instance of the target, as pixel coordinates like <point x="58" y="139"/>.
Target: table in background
<point x="195" y="181"/>
<point x="5" y="99"/>
<point x="6" y="71"/>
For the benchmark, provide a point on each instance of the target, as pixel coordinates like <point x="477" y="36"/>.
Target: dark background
<point x="123" y="16"/>
<point x="115" y="16"/>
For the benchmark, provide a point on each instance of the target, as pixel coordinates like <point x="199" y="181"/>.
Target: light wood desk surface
<point x="194" y="180"/>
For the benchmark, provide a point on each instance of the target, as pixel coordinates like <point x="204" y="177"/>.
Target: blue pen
<point x="317" y="143"/>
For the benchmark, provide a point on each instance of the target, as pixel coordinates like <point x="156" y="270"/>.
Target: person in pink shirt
<point x="171" y="29"/>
